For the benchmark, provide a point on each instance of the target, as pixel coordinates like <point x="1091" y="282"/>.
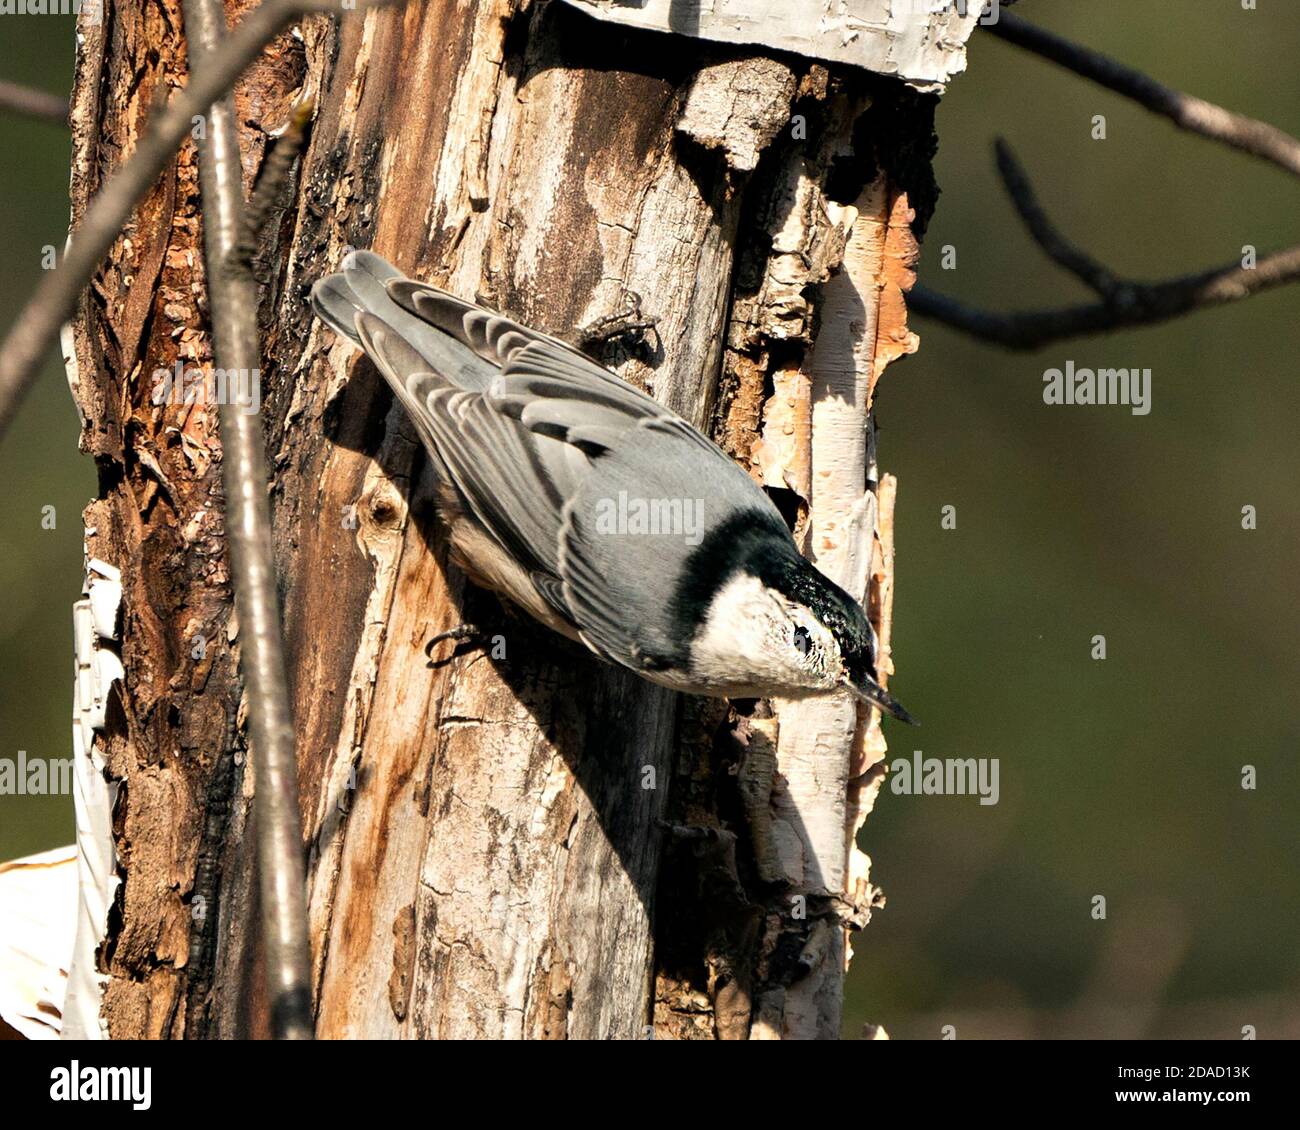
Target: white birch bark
<point x="919" y="41"/>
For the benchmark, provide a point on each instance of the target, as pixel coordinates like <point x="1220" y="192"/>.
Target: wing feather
<point x="536" y="440"/>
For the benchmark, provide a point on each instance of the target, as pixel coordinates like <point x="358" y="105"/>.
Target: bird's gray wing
<point x="538" y="368"/>
<point x="617" y="585"/>
<point x="539" y="442"/>
<point x="498" y="470"/>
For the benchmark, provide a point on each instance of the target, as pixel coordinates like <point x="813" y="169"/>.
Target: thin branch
<point x="232" y="296"/>
<point x="1123" y="302"/>
<point x="33" y="103"/>
<point x="1057" y="247"/>
<point x="1186" y="111"/>
<point x="55" y="298"/>
<point x="271" y="181"/>
<point x="1146" y="304"/>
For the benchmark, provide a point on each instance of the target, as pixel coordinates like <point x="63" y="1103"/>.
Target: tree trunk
<point x="514" y="839"/>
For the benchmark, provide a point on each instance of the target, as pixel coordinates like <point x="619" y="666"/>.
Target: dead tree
<point x="508" y="839"/>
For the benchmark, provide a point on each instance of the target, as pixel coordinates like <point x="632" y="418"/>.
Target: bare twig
<point x="274" y="177"/>
<point x="1250" y="135"/>
<point x="1146" y="304"/>
<point x="33" y="103"/>
<point x="232" y="294"/>
<point x="1058" y="248"/>
<point x="1123" y="302"/>
<point x="55" y="298"/>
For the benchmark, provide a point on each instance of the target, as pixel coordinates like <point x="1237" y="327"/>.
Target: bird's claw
<point x="625" y="323"/>
<point x="459" y="633"/>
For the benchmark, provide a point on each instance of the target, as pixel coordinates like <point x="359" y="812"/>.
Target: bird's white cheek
<point x="739" y="643"/>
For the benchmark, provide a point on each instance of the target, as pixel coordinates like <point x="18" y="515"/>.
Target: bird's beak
<point x="868" y="690"/>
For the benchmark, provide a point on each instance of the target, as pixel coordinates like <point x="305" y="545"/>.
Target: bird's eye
<point x="802" y="640"/>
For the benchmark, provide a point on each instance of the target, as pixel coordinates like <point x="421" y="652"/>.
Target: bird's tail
<point x="357" y="303"/>
<point x="358" y="287"/>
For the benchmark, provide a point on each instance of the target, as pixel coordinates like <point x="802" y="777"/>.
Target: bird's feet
<point x="460" y="633"/>
<point x="628" y="322"/>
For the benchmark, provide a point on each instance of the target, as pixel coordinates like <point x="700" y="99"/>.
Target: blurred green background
<point x="1120" y="777"/>
<point x="40" y="466"/>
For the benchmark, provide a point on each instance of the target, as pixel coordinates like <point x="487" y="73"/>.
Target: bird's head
<point x="774" y="625"/>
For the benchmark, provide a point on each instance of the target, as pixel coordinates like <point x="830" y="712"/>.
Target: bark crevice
<point x="498" y="840"/>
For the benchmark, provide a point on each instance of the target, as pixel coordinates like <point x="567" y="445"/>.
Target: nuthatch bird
<point x="578" y="497"/>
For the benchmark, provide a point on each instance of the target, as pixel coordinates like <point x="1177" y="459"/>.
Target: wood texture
<point x="921" y="41"/>
<point x="486" y="830"/>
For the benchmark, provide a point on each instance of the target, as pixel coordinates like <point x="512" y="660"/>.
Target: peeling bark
<point x="817" y="316"/>
<point x="512" y="839"/>
<point x="922" y="41"/>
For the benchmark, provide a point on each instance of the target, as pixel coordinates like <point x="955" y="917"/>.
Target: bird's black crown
<point x="758" y="542"/>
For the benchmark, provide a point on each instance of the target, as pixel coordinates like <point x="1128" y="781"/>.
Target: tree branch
<point x="33" y="103"/>
<point x="232" y="296"/>
<point x="1058" y="248"/>
<point x="55" y="298"/>
<point x="1123" y="302"/>
<point x="1186" y="111"/>
<point x="1144" y="304"/>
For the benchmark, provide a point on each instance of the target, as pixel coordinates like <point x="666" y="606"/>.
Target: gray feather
<point x="362" y="287"/>
<point x="538" y="441"/>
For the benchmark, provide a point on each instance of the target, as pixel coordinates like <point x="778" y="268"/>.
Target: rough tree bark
<point x="512" y="840"/>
